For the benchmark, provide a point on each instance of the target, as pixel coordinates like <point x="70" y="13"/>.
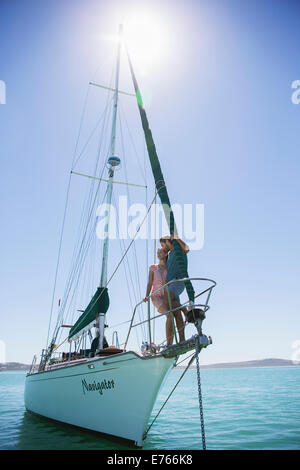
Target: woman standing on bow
<point x="156" y="279"/>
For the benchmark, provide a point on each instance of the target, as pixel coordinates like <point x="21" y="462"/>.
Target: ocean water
<point x="253" y="408"/>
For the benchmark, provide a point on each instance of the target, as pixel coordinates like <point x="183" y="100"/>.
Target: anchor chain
<point x="200" y="393"/>
<point x="196" y="355"/>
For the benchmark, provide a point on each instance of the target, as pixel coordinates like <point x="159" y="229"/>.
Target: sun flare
<point x="146" y="37"/>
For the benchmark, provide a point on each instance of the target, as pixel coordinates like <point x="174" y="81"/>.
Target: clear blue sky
<point x="226" y="131"/>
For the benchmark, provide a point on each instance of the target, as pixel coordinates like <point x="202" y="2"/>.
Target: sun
<point x="146" y="38"/>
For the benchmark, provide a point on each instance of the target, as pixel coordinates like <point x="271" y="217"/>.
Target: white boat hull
<point x="112" y="395"/>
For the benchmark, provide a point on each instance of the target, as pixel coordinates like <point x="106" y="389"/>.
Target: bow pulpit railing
<point x="196" y="311"/>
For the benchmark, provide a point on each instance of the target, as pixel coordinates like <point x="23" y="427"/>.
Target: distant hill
<point x="258" y="363"/>
<point x="13" y="366"/>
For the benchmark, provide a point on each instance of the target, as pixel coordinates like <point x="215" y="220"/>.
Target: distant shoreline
<point x="247" y="364"/>
<point x="226" y="365"/>
<point x="13" y="366"/>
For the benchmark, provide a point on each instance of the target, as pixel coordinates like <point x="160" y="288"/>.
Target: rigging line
<point x="106" y="181"/>
<point x="165" y="402"/>
<point x="87" y="205"/>
<point x="91" y="135"/>
<point x="81" y="255"/>
<point x="74" y="270"/>
<point x="61" y="344"/>
<point x="132" y="241"/>
<point x="75" y="293"/>
<point x="76" y="278"/>
<point x="70" y="303"/>
<point x="86" y="248"/>
<point x="86" y="210"/>
<point x="104" y="130"/>
<point x="147" y="241"/>
<point x="75" y="151"/>
<point x="118" y="265"/>
<point x="80" y="125"/>
<point x="118" y="324"/>
<point x="122" y="246"/>
<point x="91" y="208"/>
<point x="58" y="257"/>
<point x="185" y="359"/>
<point x="128" y="287"/>
<point x="136" y="292"/>
<point x="154" y="248"/>
<point x="87" y="263"/>
<point x="128" y="195"/>
<point x="104" y="127"/>
<point x="146" y="202"/>
<point x="112" y="89"/>
<point x="132" y="140"/>
<point x="84" y="251"/>
<point x="84" y="275"/>
<point x="105" y="110"/>
<point x="83" y="278"/>
<point x="76" y="263"/>
<point x="90" y="269"/>
<point x="94" y="257"/>
<point x="132" y="283"/>
<point x="65" y="211"/>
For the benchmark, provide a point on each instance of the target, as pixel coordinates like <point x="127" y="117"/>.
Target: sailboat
<point x="108" y="388"/>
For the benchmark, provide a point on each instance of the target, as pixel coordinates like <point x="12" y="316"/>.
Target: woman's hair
<point x="165" y="238"/>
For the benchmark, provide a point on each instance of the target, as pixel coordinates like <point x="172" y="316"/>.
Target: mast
<point x="112" y="162"/>
<point x="161" y="186"/>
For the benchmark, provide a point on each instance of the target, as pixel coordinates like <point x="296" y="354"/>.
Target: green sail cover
<point x="160" y="185"/>
<point x="98" y="304"/>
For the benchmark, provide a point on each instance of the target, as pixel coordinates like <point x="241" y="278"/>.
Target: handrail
<point x="170" y="311"/>
<point x="206" y="307"/>
<point x="33" y="364"/>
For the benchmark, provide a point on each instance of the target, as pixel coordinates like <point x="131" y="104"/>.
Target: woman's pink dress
<point x="159" y="279"/>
